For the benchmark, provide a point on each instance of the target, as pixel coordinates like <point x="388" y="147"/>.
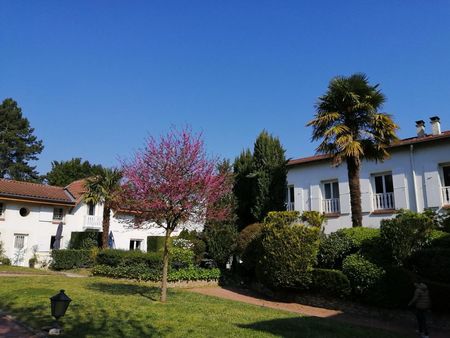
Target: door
<point x="20" y="248"/>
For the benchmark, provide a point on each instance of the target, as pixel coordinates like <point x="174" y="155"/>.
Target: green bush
<point x="439" y="239"/>
<point x="221" y="242"/>
<point x="181" y="258"/>
<point x="142" y="273"/>
<point x="440" y="295"/>
<point x="71" y="259"/>
<point x="115" y="258"/>
<point x="85" y="240"/>
<point x="282" y="217"/>
<point x="363" y="274"/>
<point x="288" y="253"/>
<point x="376" y="250"/>
<point x="330" y="283"/>
<point x="407" y="233"/>
<point x="338" y="245"/>
<point x="313" y="218"/>
<point x="433" y="264"/>
<point x="249" y="249"/>
<point x="155" y="243"/>
<point x="5" y="261"/>
<point x="198" y="243"/>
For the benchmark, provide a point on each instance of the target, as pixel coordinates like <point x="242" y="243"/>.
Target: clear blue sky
<point x="96" y="77"/>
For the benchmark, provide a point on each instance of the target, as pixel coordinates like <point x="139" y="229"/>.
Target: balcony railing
<point x="92" y="221"/>
<point x="384" y="201"/>
<point x="331" y="206"/>
<point x="446" y="195"/>
<point x="290" y="206"/>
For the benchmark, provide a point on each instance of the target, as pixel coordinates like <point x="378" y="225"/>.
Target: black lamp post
<point x="59" y="304"/>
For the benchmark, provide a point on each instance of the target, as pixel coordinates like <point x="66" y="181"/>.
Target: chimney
<point x="435" y="125"/>
<point x="420" y="128"/>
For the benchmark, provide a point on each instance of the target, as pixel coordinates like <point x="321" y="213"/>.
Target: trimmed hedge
<point x="129" y="259"/>
<point x="85" y="240"/>
<point x="330" y="282"/>
<point x="181" y="258"/>
<point x="363" y="274"/>
<point x="71" y="259"/>
<point x="288" y="254"/>
<point x="141" y="273"/>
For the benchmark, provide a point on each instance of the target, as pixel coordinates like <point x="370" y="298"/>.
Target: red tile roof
<point x="11" y="189"/>
<point x="77" y="189"/>
<point x="400" y="143"/>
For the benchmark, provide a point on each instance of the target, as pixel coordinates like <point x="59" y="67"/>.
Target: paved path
<point x="11" y="329"/>
<point x="252" y="298"/>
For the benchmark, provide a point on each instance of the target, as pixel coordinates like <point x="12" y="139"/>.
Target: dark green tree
<point x="260" y="180"/>
<point x="65" y="172"/>
<point x="18" y="145"/>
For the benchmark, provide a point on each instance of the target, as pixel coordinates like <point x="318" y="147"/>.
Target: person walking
<point x="422" y="304"/>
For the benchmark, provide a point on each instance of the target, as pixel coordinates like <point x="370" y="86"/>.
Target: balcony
<point x="331" y="206"/>
<point x="446" y="195"/>
<point x="384" y="201"/>
<point x="290" y="206"/>
<point x="92" y="222"/>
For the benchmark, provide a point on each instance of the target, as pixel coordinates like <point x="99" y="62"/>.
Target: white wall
<point x="427" y="161"/>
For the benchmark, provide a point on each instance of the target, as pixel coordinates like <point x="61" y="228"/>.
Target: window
<point x="53" y="241"/>
<point x="446" y="187"/>
<point x="19" y="241"/>
<point x="58" y="214"/>
<point x="290" y="199"/>
<point x="446" y="171"/>
<point x="384" y="192"/>
<point x="24" y="212"/>
<point x="2" y="210"/>
<point x="135" y="244"/>
<point x="91" y="209"/>
<point x="331" y="197"/>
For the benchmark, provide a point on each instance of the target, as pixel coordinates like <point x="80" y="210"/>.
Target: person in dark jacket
<point x="422" y="303"/>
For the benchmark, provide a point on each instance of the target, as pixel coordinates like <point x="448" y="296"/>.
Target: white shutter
<point x="432" y="186"/>
<point x="344" y="197"/>
<point x="400" y="193"/>
<point x="46" y="214"/>
<point x="366" y="195"/>
<point x="298" y="199"/>
<point x="315" y="198"/>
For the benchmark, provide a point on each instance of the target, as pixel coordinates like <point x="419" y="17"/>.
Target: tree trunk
<point x="353" y="167"/>
<point x="105" y="226"/>
<point x="165" y="267"/>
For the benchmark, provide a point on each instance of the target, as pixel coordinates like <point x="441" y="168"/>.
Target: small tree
<point x="172" y="181"/>
<point x="103" y="188"/>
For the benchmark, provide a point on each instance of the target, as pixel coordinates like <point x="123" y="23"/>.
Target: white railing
<point x="92" y="221"/>
<point x="331" y="206"/>
<point x="290" y="206"/>
<point x="446" y="195"/>
<point x="384" y="201"/>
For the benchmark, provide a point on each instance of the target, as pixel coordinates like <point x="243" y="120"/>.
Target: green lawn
<point x="23" y="270"/>
<point x="103" y="307"/>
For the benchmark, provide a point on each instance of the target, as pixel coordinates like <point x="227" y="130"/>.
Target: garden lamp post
<point x="59" y="304"/>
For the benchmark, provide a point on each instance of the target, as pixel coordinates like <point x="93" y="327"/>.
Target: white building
<point x="415" y="177"/>
<point x="33" y="216"/>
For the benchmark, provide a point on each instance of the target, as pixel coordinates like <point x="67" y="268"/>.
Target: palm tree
<point x="103" y="188"/>
<point x="351" y="129"/>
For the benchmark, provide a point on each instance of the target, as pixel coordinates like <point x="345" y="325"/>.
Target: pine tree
<point x="18" y="145"/>
<point x="242" y="187"/>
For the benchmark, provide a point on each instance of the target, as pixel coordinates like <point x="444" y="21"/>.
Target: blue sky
<point x="96" y="77"/>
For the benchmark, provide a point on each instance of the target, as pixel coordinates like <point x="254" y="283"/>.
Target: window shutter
<point x="432" y="186"/>
<point x="366" y="195"/>
<point x="400" y="193"/>
<point x="45" y="214"/>
<point x="298" y="199"/>
<point x="344" y="197"/>
<point x="315" y="198"/>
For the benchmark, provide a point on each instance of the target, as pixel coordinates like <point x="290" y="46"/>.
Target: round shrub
<point x="363" y="274"/>
<point x="248" y="235"/>
<point x="288" y="255"/>
<point x="330" y="282"/>
<point x="360" y="234"/>
<point x="249" y="249"/>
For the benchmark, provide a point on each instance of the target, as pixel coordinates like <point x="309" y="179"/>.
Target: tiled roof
<point x="400" y="143"/>
<point x="34" y="191"/>
<point x="77" y="189"/>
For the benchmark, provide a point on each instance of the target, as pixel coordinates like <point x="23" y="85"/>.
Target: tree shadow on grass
<point x="149" y="292"/>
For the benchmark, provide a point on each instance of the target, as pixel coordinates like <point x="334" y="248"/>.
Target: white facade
<point x="37" y="228"/>
<point x="417" y="176"/>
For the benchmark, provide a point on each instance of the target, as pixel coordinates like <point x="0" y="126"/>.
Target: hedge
<point x="140" y="272"/>
<point x="288" y="254"/>
<point x="363" y="274"/>
<point x="155" y="243"/>
<point x="72" y="258"/>
<point x="433" y="264"/>
<point x="85" y="240"/>
<point x="330" y="282"/>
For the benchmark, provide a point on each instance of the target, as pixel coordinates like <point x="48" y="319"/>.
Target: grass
<point x="103" y="307"/>
<point x="23" y="270"/>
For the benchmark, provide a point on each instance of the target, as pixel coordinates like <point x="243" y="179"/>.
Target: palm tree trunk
<point x="353" y="167"/>
<point x="165" y="267"/>
<point x="105" y="226"/>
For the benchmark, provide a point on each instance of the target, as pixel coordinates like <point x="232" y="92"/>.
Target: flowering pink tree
<point x="171" y="181"/>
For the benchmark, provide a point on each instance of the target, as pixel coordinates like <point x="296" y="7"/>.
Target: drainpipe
<point x="413" y="173"/>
